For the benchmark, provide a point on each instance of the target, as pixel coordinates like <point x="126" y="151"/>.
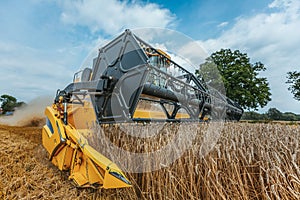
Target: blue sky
<point x="43" y="42"/>
<point x="201" y="19"/>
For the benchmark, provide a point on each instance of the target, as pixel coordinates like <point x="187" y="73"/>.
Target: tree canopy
<point x="274" y="114"/>
<point x="293" y="78"/>
<point x="241" y="79"/>
<point x="9" y="103"/>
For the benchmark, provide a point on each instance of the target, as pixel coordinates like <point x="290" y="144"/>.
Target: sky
<point x="44" y="42"/>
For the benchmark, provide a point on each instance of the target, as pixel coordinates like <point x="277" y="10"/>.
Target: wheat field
<point x="248" y="161"/>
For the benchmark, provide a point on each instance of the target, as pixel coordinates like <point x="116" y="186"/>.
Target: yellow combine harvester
<point x="130" y="81"/>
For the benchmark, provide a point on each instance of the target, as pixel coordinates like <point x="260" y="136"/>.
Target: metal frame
<point x="122" y="73"/>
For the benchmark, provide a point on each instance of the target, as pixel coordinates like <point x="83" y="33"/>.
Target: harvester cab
<point x="130" y="81"/>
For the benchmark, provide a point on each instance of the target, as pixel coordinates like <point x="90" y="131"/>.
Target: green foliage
<point x="251" y="115"/>
<point x="240" y="78"/>
<point x="271" y="114"/>
<point x="9" y="103"/>
<point x="289" y="116"/>
<point x="294" y="81"/>
<point x="210" y="74"/>
<point x="274" y="114"/>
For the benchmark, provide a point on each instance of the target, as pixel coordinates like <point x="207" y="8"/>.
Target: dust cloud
<point x="31" y="114"/>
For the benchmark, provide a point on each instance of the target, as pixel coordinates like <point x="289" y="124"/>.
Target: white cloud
<point x="27" y="73"/>
<point x="194" y="52"/>
<point x="223" y="24"/>
<point x="34" y="61"/>
<point x="273" y="38"/>
<point x="113" y="16"/>
<point x="182" y="49"/>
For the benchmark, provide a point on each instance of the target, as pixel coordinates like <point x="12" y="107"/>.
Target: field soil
<point x="26" y="172"/>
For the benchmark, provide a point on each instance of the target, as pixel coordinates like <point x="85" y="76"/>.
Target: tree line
<point x="241" y="81"/>
<point x="271" y="114"/>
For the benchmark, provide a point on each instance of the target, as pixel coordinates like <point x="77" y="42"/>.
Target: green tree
<point x="274" y="114"/>
<point x="294" y="81"/>
<point x="289" y="116"/>
<point x="241" y="79"/>
<point x="251" y="115"/>
<point x="8" y="103"/>
<point x="209" y="73"/>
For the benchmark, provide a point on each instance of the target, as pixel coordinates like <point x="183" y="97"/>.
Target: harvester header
<point x="129" y="74"/>
<point x="129" y="81"/>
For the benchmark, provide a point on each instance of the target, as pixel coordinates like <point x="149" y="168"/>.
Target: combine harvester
<point x="130" y="81"/>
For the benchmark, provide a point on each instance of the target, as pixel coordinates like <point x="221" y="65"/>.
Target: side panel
<point x="54" y="140"/>
<point x="123" y="65"/>
<point x="122" y="53"/>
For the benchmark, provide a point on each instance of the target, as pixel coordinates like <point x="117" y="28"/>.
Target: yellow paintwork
<point x="164" y="53"/>
<point x="81" y="117"/>
<point x="147" y="114"/>
<point x="69" y="150"/>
